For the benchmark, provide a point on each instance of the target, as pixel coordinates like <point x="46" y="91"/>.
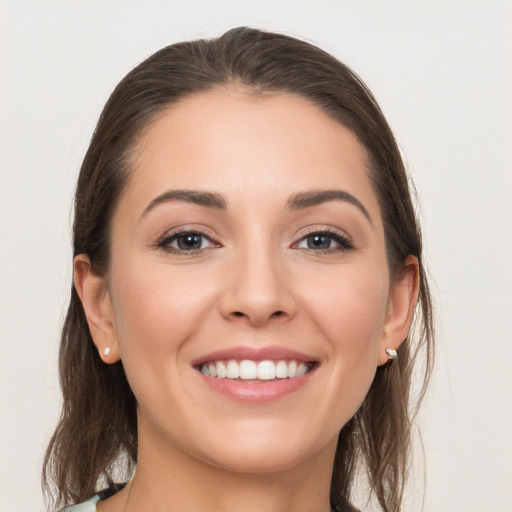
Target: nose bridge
<point x="256" y="289"/>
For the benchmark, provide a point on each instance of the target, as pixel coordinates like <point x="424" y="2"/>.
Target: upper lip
<point x="274" y="353"/>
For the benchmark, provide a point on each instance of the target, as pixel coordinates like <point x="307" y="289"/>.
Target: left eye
<point x="325" y="241"/>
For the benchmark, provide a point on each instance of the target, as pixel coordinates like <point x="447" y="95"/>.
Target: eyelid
<point x="321" y="228"/>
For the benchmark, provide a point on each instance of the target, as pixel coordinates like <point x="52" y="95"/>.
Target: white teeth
<point x="281" y="370"/>
<point x="221" y="370"/>
<point x="212" y="370"/>
<point x="301" y="370"/>
<point x="232" y="371"/>
<point x="248" y="369"/>
<point x="252" y="370"/>
<point x="266" y="370"/>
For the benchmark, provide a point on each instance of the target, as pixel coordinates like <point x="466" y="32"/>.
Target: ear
<point x="401" y="304"/>
<point x="93" y="292"/>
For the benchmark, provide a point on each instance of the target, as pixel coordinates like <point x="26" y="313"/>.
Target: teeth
<point x="292" y="369"/>
<point x="212" y="370"/>
<point x="266" y="370"/>
<point x="252" y="370"/>
<point x="232" y="371"/>
<point x="281" y="370"/>
<point x="301" y="370"/>
<point x="221" y="370"/>
<point x="248" y="370"/>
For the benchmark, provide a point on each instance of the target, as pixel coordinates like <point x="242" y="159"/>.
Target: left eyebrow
<point x="309" y="198"/>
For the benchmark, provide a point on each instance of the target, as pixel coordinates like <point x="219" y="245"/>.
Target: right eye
<point x="186" y="242"/>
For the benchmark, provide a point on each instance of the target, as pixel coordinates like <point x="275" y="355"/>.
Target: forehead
<point x="249" y="146"/>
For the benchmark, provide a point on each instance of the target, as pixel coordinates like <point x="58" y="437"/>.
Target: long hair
<point x="95" y="442"/>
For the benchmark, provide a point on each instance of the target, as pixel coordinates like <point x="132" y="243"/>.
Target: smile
<point x="247" y="369"/>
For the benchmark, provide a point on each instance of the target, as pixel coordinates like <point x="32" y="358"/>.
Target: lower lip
<point x="256" y="392"/>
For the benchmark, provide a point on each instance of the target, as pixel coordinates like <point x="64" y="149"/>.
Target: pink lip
<point x="248" y="391"/>
<point x="273" y="353"/>
<point x="256" y="392"/>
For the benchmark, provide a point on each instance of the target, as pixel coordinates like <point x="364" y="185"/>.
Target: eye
<point x="326" y="241"/>
<point x="185" y="241"/>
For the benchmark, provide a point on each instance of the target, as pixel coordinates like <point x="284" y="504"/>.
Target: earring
<point x="106" y="351"/>
<point x="391" y="353"/>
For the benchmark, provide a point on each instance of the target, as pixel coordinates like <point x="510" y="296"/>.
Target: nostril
<point x="275" y="313"/>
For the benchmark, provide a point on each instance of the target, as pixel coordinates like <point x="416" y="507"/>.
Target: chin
<point x="260" y="461"/>
<point x="271" y="453"/>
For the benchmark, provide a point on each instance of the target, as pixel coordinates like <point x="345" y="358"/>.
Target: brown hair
<point x="97" y="432"/>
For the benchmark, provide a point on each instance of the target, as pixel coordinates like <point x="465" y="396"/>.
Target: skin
<point x="255" y="282"/>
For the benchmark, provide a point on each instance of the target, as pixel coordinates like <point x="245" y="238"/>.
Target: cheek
<point x="157" y="313"/>
<point x="350" y="310"/>
<point x="349" y="306"/>
<point x="153" y="306"/>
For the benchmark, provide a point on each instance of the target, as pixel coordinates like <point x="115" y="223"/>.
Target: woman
<point x="247" y="265"/>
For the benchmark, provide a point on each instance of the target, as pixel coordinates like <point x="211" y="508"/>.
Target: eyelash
<point x="345" y="243"/>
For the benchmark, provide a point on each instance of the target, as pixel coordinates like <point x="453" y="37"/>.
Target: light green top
<point x="86" y="506"/>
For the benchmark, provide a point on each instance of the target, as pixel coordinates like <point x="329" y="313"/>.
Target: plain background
<point x="442" y="72"/>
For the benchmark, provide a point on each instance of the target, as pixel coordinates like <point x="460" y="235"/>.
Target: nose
<point x="257" y="290"/>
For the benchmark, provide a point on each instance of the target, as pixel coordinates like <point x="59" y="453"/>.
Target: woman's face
<point x="248" y="231"/>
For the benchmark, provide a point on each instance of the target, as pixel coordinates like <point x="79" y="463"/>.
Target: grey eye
<point x="320" y="241"/>
<point x="185" y="241"/>
<point x="189" y="241"/>
<point x="317" y="241"/>
<point x="325" y="241"/>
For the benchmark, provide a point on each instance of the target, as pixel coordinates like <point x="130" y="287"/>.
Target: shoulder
<point x="86" y="506"/>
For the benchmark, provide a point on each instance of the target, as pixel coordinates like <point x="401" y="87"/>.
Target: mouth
<point x="258" y="365"/>
<point x="256" y="370"/>
<point x="255" y="375"/>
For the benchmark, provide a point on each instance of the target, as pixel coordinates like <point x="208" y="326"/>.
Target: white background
<point x="442" y="72"/>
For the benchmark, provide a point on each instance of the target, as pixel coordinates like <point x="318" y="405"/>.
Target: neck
<point x="171" y="480"/>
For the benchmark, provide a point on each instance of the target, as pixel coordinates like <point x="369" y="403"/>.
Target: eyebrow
<point x="297" y="201"/>
<point x="315" y="197"/>
<point x="206" y="199"/>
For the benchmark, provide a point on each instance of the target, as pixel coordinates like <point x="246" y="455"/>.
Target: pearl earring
<point x="391" y="353"/>
<point x="106" y="351"/>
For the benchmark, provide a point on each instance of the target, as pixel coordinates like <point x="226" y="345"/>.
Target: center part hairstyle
<point x="95" y="442"/>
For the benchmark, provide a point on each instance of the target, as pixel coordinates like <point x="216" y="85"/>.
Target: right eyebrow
<point x="206" y="199"/>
